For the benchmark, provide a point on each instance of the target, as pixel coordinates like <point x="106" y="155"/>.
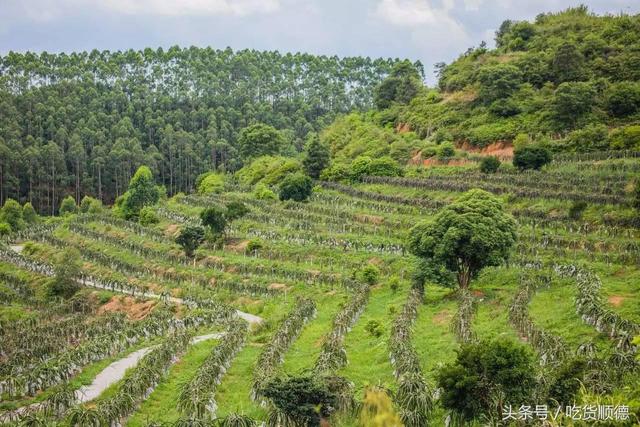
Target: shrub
<point x="68" y="206"/>
<point x="297" y="187"/>
<point x="531" y="157"/>
<point x="254" y="245"/>
<point x="12" y="215"/>
<point x="446" y="151"/>
<point x="236" y="210"/>
<point x="5" y="229"/>
<point x="317" y="156"/>
<point x="215" y="219"/>
<point x="29" y="214"/>
<point x="67" y="271"/>
<point x="625" y="138"/>
<point x="337" y="172"/>
<point x="489" y="164"/>
<point x="374" y="328"/>
<point x="262" y="192"/>
<point x="577" y="209"/>
<point x="210" y="183"/>
<point x="623" y="99"/>
<point x="369" y="275"/>
<point x="593" y="137"/>
<point x="148" y="216"/>
<point x="304" y="400"/>
<point x="566" y="382"/>
<point x="268" y="170"/>
<point x="486" y="374"/>
<point x="190" y="238"/>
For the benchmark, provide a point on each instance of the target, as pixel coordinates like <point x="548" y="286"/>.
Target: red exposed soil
<point x="616" y="300"/>
<point x="442" y="317"/>
<point x="501" y="149"/>
<point x="130" y="306"/>
<point x="403" y="128"/>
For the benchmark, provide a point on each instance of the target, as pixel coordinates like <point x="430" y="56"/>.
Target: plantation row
<point x="461" y="184"/>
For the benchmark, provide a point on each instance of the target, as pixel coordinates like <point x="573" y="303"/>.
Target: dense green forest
<point x="569" y="81"/>
<point x="82" y="123"/>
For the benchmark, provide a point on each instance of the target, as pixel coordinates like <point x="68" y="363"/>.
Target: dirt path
<point x="251" y="318"/>
<point x="105" y="379"/>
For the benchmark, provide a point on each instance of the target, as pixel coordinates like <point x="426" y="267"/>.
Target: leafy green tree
<point x="67" y="272"/>
<point x="259" y="140"/>
<point x="369" y="275"/>
<point x="215" y="219"/>
<point x="29" y="213"/>
<point x="498" y="82"/>
<point x="12" y="215"/>
<point x="5" y="229"/>
<point x="210" y="183"/>
<point x="190" y="239"/>
<point x="486" y="376"/>
<point x="489" y="164"/>
<point x="571" y="101"/>
<point x="142" y="192"/>
<point x="296" y="187"/>
<point x="466" y="236"/>
<point x="262" y="192"/>
<point x="568" y="63"/>
<point x="623" y="99"/>
<point x="446" y="151"/>
<point x="89" y="204"/>
<point x="402" y="85"/>
<point x="148" y="216"/>
<point x="531" y="157"/>
<point x="566" y="382"/>
<point x="366" y="166"/>
<point x="236" y="210"/>
<point x="68" y="206"/>
<point x="305" y="400"/>
<point x="316" y="158"/>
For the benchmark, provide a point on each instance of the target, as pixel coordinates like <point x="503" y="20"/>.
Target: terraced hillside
<point x="286" y="295"/>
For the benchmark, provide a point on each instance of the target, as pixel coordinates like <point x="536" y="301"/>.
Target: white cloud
<point x="408" y="12"/>
<point x="48" y="10"/>
<point x="192" y="7"/>
<point x="472" y="5"/>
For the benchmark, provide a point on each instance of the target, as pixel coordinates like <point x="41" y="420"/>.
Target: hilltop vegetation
<point x="569" y="81"/>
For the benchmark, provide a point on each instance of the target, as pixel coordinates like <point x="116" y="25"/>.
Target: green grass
<point x="161" y="405"/>
<point x="305" y="350"/>
<point x="432" y="338"/>
<point x="553" y="309"/>
<point x="367" y="355"/>
<point x="234" y="392"/>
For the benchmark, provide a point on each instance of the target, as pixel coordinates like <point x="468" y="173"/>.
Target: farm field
<point x="204" y="236"/>
<point x="303" y="272"/>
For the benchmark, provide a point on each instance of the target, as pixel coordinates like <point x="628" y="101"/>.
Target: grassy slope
<point x="161" y="404"/>
<point x="368" y="356"/>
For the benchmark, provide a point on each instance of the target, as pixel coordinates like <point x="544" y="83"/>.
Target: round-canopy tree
<point x="190" y="238"/>
<point x="472" y="233"/>
<point x="486" y="376"/>
<point x="259" y="140"/>
<point x="296" y="187"/>
<point x="531" y="157"/>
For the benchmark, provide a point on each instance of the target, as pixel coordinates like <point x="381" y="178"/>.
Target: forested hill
<point x="569" y="81"/>
<point x="81" y="123"/>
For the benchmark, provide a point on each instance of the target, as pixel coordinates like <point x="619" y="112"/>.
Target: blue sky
<point x="429" y="30"/>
